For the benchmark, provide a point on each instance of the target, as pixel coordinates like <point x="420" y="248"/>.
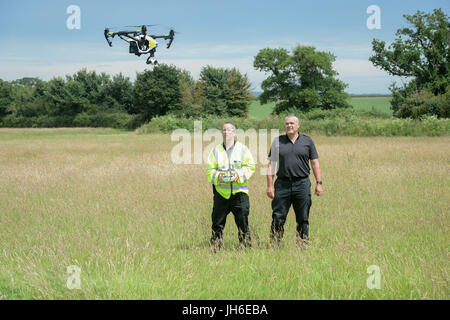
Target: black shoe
<point x="245" y="244"/>
<point x="216" y="244"/>
<point x="302" y="242"/>
<point x="275" y="240"/>
<point x="245" y="240"/>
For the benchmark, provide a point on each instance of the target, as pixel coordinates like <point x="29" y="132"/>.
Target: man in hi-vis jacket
<point x="230" y="165"/>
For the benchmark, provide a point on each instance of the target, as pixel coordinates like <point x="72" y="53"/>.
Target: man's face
<point x="291" y="125"/>
<point x="228" y="132"/>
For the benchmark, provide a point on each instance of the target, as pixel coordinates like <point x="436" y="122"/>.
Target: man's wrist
<point x="319" y="182"/>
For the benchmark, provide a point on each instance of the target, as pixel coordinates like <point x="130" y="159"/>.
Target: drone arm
<point x="108" y="36"/>
<point x="165" y="37"/>
<point x="122" y="36"/>
<point x="170" y="42"/>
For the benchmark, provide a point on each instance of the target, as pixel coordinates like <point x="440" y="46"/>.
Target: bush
<point x="113" y="120"/>
<point x="110" y="120"/>
<point x="422" y="103"/>
<point x="12" y="121"/>
<point x="82" y="120"/>
<point x="338" y="125"/>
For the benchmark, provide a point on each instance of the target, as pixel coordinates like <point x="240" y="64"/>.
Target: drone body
<point x="140" y="42"/>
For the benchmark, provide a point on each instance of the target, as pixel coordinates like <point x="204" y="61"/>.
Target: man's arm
<point x="247" y="169"/>
<point x="270" y="174"/>
<point x="318" y="174"/>
<point x="214" y="176"/>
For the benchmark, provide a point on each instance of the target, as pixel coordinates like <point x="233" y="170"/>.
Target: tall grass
<point x="328" y="122"/>
<point x="376" y="105"/>
<point x="138" y="225"/>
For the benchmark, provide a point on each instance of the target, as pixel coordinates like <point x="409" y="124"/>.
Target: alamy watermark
<point x="74" y="278"/>
<point x="374" y="280"/>
<point x="190" y="150"/>
<point x="74" y="20"/>
<point x="374" y="20"/>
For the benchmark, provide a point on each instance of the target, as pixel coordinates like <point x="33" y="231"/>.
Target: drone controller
<point x="228" y="176"/>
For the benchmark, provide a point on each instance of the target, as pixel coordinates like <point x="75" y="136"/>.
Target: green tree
<point x="119" y="94"/>
<point x="88" y="90"/>
<point x="237" y="93"/>
<point x="65" y="98"/>
<point x="189" y="106"/>
<point x="226" y="92"/>
<point x="157" y="91"/>
<point x="5" y="98"/>
<point x="22" y="95"/>
<point x="420" y="52"/>
<point x="302" y="80"/>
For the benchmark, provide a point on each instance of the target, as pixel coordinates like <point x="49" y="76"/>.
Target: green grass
<point x="57" y="133"/>
<point x="259" y="111"/>
<point x="381" y="104"/>
<point x="138" y="226"/>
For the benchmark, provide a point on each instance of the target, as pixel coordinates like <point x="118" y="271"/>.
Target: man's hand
<point x="319" y="190"/>
<point x="271" y="192"/>
<point x="235" y="176"/>
<point x="221" y="174"/>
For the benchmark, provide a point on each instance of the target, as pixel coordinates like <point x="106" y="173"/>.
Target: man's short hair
<point x="292" y="116"/>
<point x="228" y="122"/>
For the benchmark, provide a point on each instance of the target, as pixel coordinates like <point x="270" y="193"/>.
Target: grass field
<point x="137" y="226"/>
<point x="381" y="104"/>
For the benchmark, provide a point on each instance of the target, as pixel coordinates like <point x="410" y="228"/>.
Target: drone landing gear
<point x="150" y="60"/>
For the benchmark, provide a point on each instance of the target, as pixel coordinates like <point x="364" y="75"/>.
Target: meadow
<point x="380" y="104"/>
<point x="113" y="204"/>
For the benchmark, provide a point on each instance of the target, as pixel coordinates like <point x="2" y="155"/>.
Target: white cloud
<point x="360" y="74"/>
<point x="11" y="71"/>
<point x="357" y="68"/>
<point x="9" y="58"/>
<point x="14" y="70"/>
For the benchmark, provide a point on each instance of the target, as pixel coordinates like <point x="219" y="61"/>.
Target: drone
<point x="140" y="42"/>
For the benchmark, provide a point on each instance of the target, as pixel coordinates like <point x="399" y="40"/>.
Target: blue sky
<point x="37" y="43"/>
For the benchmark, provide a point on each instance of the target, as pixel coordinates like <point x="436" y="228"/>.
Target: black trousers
<point x="239" y="205"/>
<point x="296" y="192"/>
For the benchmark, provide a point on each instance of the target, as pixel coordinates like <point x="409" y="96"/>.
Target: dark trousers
<point x="296" y="192"/>
<point x="239" y="205"/>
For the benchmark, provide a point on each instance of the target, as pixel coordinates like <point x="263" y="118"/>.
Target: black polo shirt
<point x="293" y="158"/>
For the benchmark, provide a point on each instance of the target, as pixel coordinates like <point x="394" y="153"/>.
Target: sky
<point x="37" y="42"/>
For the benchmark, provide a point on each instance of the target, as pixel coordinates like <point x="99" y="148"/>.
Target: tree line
<point x="87" y="98"/>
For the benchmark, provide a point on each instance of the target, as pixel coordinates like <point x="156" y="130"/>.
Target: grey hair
<point x="292" y="116"/>
<point x="234" y="127"/>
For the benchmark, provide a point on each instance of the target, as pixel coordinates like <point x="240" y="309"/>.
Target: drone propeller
<point x="147" y="25"/>
<point x="172" y="29"/>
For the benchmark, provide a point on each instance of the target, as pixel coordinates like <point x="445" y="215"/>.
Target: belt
<point x="292" y="178"/>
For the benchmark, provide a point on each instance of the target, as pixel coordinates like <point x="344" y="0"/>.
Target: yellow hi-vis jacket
<point x="241" y="161"/>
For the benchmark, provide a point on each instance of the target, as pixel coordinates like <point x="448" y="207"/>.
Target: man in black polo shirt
<point x="292" y="152"/>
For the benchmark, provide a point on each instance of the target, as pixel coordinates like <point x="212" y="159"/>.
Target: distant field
<point x="137" y="225"/>
<point x="382" y="104"/>
<point x="259" y="111"/>
<point x="368" y="103"/>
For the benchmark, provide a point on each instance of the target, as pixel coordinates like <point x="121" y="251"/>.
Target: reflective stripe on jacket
<point x="241" y="161"/>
